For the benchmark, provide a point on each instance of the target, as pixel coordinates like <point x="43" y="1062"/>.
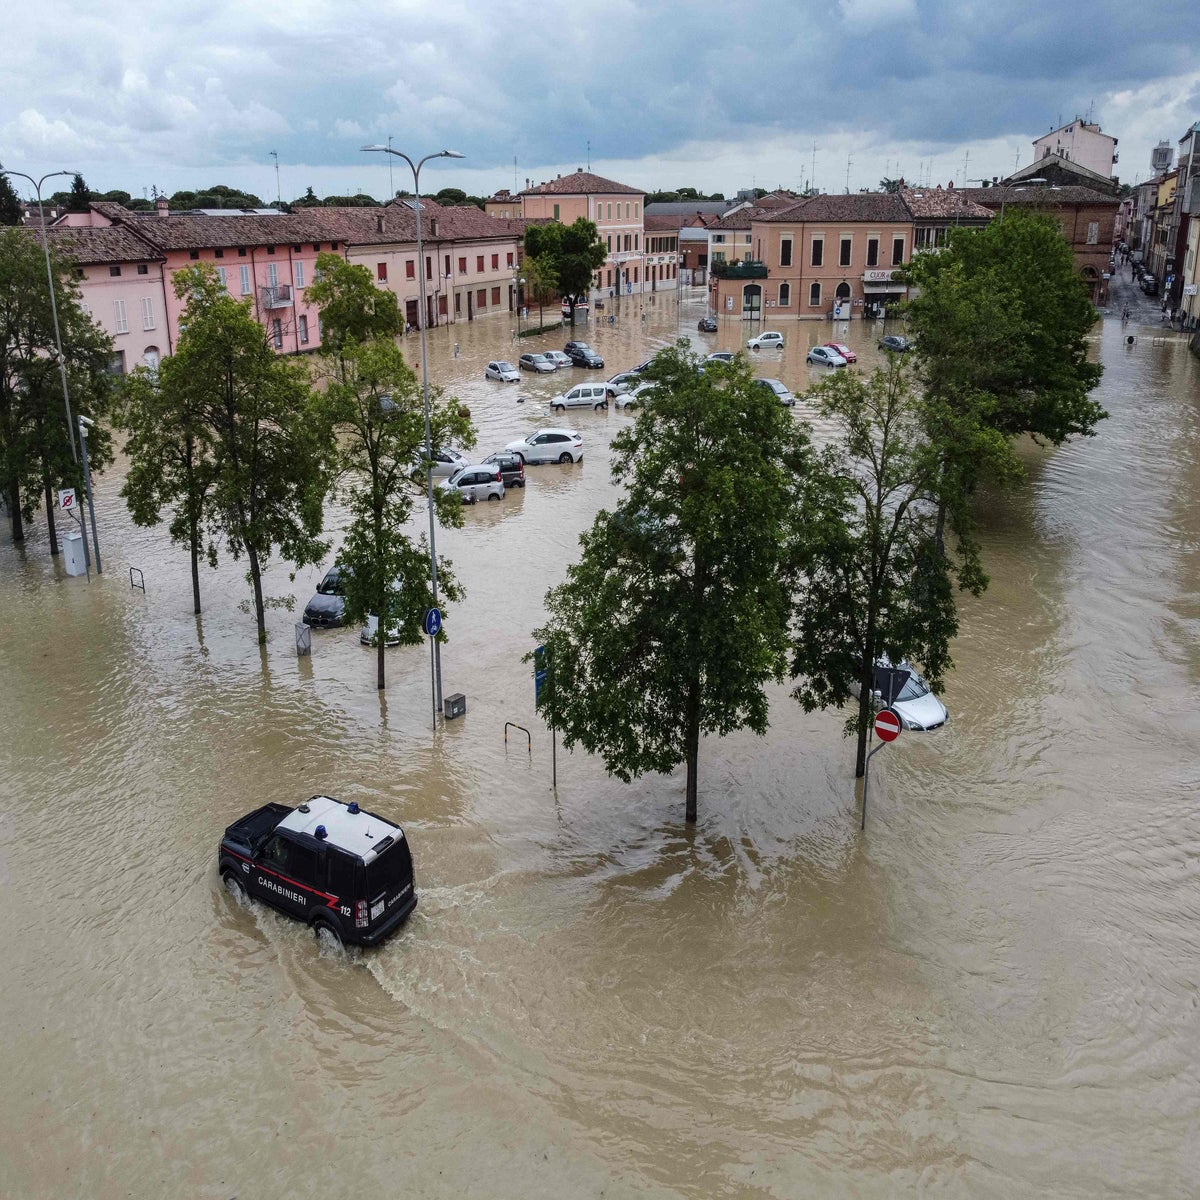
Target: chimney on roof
<point x="433" y="227"/>
<point x="950" y="185"/>
<point x="527" y="183"/>
<point x="162" y="207"/>
<point x="578" y="170"/>
<point x="379" y="222"/>
<point x="995" y="180"/>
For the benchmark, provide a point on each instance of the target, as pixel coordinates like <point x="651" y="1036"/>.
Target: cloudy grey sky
<point x="717" y="95"/>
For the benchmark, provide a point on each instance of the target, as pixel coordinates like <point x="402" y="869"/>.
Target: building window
<point x="380" y="271"/>
<point x="785" y="254"/>
<point x="277" y="333"/>
<point x="303" y="330"/>
<point x="114" y="271"/>
<point x="223" y="280"/>
<point x="785" y="295"/>
<point x="872" y="252"/>
<point x="297" y="249"/>
<point x="479" y="263"/>
<point x="610" y="211"/>
<point x="636" y="206"/>
<point x="635" y="274"/>
<point x="844" y="253"/>
<point x="299" y="274"/>
<point x="428" y="267"/>
<point x="333" y="245"/>
<point x="608" y="277"/>
<point x="218" y="253"/>
<point x="241" y="252"/>
<point x="510" y="258"/>
<point x="814" y="294"/>
<point x="556" y="212"/>
<point x="147" y="312"/>
<point x="446" y="260"/>
<point x="316" y="247"/>
<point x="635" y="241"/>
<point x="245" y="276"/>
<point x="193" y="255"/>
<point x="272" y="275"/>
<point x="1093" y="232"/>
<point x="495" y="262"/>
<point x="462" y="266"/>
<point x="818" y="252"/>
<point x="627" y="210"/>
<point x="718" y="239"/>
<point x="143" y="269"/>
<point x="410" y="268"/>
<point x="270" y="249"/>
<point x="609" y="240"/>
<point x="495" y="296"/>
<point x="481" y="298"/>
<point x="897" y="251"/>
<point x="119" y="318"/>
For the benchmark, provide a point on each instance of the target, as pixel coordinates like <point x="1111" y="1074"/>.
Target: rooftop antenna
<point x="966" y="158"/>
<point x="516" y="189"/>
<point x="1017" y="158"/>
<point x="589" y="154"/>
<point x="813" y="178"/>
<point x="278" y="194"/>
<point x="391" y="186"/>
<point x="848" y="162"/>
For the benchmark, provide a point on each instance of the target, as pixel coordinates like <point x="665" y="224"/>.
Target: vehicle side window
<point x="540" y="440"/>
<point x="302" y="862"/>
<point x="275" y="852"/>
<point x="556" y="437"/>
<point x="341" y="874"/>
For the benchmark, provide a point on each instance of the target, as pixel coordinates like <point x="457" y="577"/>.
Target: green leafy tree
<point x="541" y="280"/>
<point x="890" y="185"/>
<point x="273" y="451"/>
<point x="451" y="196"/>
<point x="1001" y="321"/>
<point x="79" y="198"/>
<point x="575" y="252"/>
<point x="376" y="405"/>
<point x="35" y="443"/>
<point x="10" y="203"/>
<point x="172" y="464"/>
<point x="308" y="200"/>
<point x="869" y="575"/>
<point x="353" y="309"/>
<point x="676" y="614"/>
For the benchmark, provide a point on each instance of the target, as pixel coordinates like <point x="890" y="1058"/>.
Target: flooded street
<point x="993" y="992"/>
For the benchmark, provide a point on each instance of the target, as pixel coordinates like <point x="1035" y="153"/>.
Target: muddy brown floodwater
<point x="992" y="993"/>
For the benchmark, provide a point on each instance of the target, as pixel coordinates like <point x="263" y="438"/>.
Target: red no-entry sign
<point x="887" y="726"/>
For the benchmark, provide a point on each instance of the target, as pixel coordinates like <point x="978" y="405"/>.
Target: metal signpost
<point x="887" y="727"/>
<point x="541" y="669"/>
<point x="432" y="624"/>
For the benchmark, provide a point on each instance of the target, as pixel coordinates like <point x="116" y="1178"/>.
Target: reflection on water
<point x="992" y="993"/>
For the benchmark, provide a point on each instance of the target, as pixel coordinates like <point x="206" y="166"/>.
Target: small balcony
<point x="749" y="268"/>
<point x="277" y="297"/>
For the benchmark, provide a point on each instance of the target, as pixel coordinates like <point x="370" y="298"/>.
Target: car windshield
<point x="505" y="366"/>
<point x="331" y="585"/>
<point x="456" y="476"/>
<point x="907" y="684"/>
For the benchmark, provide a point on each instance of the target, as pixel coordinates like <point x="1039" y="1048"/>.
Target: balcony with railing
<point x="277" y="297"/>
<point x="749" y="268"/>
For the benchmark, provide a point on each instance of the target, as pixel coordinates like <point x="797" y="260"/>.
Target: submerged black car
<point x="707" y="325"/>
<point x="334" y="866"/>
<point x="327" y="608"/>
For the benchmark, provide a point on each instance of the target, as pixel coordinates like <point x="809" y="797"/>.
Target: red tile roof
<point x="88" y="245"/>
<point x="927" y="203"/>
<point x="877" y="207"/>
<point x="581" y="183"/>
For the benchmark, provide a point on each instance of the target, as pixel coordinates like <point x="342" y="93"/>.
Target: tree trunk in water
<point x="256" y="580"/>
<point x="14" y="505"/>
<point x="379" y="655"/>
<point x="50" y="516"/>
<point x="692" y="746"/>
<point x="195" y="546"/>
<point x="866" y="677"/>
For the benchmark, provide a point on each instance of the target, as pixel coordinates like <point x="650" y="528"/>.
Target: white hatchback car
<point x="911" y="700"/>
<point x="549" y="445"/>
<point x="766" y="341"/>
<point x="778" y="389"/>
<point x="825" y="357"/>
<point x="584" y="395"/>
<point x="505" y="372"/>
<point x="558" y="358"/>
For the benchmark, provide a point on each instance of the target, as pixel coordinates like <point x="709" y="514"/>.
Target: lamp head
<point x="383" y="148"/>
<point x="451" y="154"/>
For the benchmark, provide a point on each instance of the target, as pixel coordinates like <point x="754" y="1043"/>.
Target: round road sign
<point x="887" y="726"/>
<point x="433" y="622"/>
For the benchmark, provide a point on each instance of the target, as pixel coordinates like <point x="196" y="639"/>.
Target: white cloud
<point x="864" y="13"/>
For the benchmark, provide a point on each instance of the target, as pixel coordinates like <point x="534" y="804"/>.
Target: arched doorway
<point x="843" y="292"/>
<point x="1091" y="277"/>
<point x="151" y="356"/>
<point x="751" y="302"/>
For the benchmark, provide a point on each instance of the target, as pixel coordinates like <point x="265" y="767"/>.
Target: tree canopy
<point x="574" y="253"/>
<point x="10" y="203"/>
<point x="353" y="309"/>
<point x="676" y="614"/>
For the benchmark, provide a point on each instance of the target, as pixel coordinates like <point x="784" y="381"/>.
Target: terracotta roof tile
<point x="881" y="207"/>
<point x="581" y="183"/>
<point x="94" y="244"/>
<point x="926" y="203"/>
<point x="1038" y="197"/>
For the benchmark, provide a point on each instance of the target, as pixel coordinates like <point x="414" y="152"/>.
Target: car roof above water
<point x="358" y="833"/>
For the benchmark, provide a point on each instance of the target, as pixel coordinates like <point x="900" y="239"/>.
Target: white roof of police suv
<point x="356" y="833"/>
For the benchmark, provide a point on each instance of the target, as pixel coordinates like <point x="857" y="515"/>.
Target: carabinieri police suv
<point x="334" y="866"/>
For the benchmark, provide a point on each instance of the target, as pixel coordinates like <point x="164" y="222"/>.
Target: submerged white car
<point x="909" y="695"/>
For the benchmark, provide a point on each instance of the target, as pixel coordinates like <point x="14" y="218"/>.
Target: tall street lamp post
<point x="416" y="170"/>
<point x="85" y="423"/>
<point x="518" y="284"/>
<point x="62" y="366"/>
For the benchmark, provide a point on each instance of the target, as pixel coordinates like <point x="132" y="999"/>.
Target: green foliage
<point x="79" y="198"/>
<point x="676" y="614"/>
<point x="35" y="444"/>
<point x="1001" y="319"/>
<point x="574" y="253"/>
<point x="272" y="449"/>
<point x="869" y="574"/>
<point x="218" y="196"/>
<point x="172" y="463"/>
<point x="352" y="308"/>
<point x="375" y="403"/>
<point x="890" y="185"/>
<point x="10" y="203"/>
